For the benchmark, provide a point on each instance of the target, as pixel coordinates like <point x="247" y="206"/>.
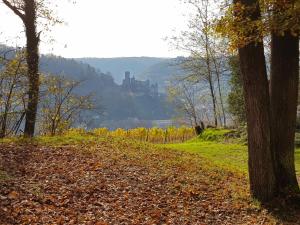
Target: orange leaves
<point x="101" y="223"/>
<point x="120" y="182"/>
<point x="13" y="195"/>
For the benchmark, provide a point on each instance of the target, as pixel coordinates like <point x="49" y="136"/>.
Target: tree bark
<point x="261" y="168"/>
<point x="284" y="96"/>
<point x="32" y="59"/>
<point x="257" y="100"/>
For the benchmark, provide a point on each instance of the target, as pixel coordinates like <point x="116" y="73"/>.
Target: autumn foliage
<point x="153" y="135"/>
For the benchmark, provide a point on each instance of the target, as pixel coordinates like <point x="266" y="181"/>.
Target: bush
<point x="214" y="134"/>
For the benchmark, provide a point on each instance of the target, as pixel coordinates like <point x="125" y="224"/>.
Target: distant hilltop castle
<point x="139" y="87"/>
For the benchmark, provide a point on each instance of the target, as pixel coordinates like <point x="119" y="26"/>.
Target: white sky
<point x="106" y="28"/>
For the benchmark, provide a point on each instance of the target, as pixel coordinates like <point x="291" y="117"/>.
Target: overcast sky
<point x="106" y="28"/>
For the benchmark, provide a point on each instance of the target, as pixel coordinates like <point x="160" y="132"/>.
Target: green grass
<point x="223" y="152"/>
<point x="214" y="135"/>
<point x="229" y="156"/>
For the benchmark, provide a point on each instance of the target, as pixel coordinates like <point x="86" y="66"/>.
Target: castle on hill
<point x="130" y="84"/>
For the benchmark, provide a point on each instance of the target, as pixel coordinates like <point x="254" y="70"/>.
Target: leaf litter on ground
<point x="117" y="181"/>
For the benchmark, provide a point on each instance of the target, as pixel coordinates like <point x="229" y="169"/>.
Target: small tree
<point x="13" y="85"/>
<point x="207" y="56"/>
<point x="60" y="106"/>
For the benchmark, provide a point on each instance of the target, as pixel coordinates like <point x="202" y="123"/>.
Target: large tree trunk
<point x="256" y="91"/>
<point x="284" y="94"/>
<point x="261" y="168"/>
<point x="33" y="66"/>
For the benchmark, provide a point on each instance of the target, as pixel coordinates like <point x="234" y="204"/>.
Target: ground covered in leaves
<point x="116" y="181"/>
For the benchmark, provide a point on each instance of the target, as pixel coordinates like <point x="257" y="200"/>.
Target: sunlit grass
<point x="232" y="156"/>
<point x="226" y="155"/>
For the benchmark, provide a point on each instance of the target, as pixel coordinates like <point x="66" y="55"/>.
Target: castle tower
<point x="133" y="84"/>
<point x="127" y="75"/>
<point x="126" y="81"/>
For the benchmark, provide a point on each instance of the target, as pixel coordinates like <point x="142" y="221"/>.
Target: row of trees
<point x="271" y="105"/>
<point x="59" y="107"/>
<point x="205" y="70"/>
<point x="257" y="42"/>
<point x="153" y="135"/>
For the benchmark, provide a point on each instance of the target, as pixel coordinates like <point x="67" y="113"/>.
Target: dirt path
<point x="118" y="183"/>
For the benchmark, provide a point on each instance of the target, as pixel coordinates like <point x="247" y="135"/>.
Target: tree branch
<point x="14" y="9"/>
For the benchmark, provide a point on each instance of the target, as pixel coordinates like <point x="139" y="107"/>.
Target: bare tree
<point x="207" y="60"/>
<point x="185" y="96"/>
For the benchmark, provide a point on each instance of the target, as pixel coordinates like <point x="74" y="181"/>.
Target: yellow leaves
<point x="154" y="135"/>
<point x="75" y="131"/>
<point x="103" y="132"/>
<point x="119" y="133"/>
<point x="242" y="25"/>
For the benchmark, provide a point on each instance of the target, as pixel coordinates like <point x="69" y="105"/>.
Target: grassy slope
<point x="232" y="156"/>
<point x="213" y="146"/>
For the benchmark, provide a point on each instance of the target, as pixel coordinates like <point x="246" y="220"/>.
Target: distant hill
<point x="122" y="108"/>
<point x="163" y="72"/>
<point x="118" y="103"/>
<point x="155" y="69"/>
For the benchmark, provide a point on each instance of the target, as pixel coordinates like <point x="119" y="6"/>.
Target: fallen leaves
<point x="119" y="182"/>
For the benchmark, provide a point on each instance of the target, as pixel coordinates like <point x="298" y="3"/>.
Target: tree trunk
<point x="218" y="74"/>
<point x="213" y="97"/>
<point x="32" y="59"/>
<point x="209" y="75"/>
<point x="221" y="100"/>
<point x="284" y="95"/>
<point x="257" y="100"/>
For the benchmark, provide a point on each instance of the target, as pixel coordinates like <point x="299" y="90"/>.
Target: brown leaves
<point x="119" y="182"/>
